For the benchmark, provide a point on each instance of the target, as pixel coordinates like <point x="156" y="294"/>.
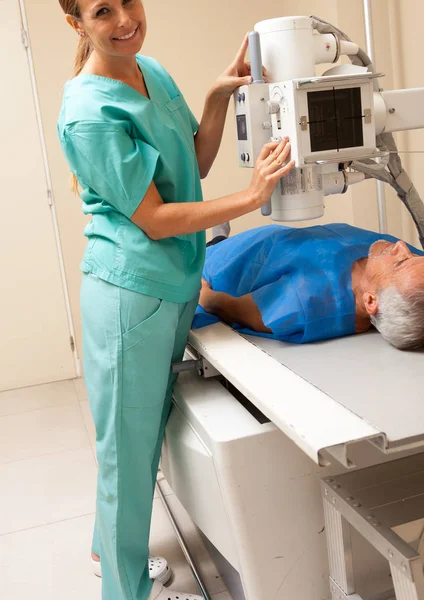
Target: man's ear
<point x="370" y="303"/>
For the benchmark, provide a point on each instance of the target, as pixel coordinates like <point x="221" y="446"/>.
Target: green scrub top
<point x="117" y="142"/>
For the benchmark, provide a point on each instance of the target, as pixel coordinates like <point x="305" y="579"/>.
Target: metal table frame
<point x="377" y="502"/>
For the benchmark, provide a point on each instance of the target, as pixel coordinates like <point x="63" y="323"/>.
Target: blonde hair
<point x="84" y="50"/>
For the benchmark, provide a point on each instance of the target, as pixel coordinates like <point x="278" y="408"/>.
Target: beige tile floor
<point x="47" y="500"/>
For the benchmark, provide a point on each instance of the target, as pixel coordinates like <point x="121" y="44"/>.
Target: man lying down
<point x="315" y="283"/>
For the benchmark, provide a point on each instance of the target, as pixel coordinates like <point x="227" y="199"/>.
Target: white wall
<point x="34" y="335"/>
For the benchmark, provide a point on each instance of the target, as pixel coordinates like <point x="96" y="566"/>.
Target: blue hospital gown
<point x="300" y="278"/>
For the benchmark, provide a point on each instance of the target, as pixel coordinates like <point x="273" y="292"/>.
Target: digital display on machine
<point x="241" y="127"/>
<point x="335" y="119"/>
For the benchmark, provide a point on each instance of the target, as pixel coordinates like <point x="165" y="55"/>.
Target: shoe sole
<point x="164" y="579"/>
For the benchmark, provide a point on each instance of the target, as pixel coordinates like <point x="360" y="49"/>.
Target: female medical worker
<point x="138" y="154"/>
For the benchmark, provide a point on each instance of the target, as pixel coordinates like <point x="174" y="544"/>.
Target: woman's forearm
<point x="169" y="220"/>
<point x="159" y="219"/>
<point x="209" y="136"/>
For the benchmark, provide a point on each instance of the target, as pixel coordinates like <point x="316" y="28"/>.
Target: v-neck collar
<point x="146" y="77"/>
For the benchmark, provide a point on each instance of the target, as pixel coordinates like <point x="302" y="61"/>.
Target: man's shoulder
<point x="345" y="229"/>
<point x="355" y="235"/>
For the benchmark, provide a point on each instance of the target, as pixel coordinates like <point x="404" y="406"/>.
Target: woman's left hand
<point x="237" y="74"/>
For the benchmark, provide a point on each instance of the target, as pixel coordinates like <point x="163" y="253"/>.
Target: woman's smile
<point x="127" y="37"/>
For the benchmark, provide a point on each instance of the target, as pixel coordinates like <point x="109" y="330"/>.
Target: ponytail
<point x="73" y="181"/>
<point x="84" y="51"/>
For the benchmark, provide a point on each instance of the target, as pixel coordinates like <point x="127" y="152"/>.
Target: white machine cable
<point x="183" y="545"/>
<point x="394" y="174"/>
<point x="361" y="58"/>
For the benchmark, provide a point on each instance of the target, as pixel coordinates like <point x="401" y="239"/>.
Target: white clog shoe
<point x="159" y="569"/>
<point x="162" y="593"/>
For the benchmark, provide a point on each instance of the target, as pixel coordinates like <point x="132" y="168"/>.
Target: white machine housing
<point x="267" y="112"/>
<point x="331" y="120"/>
<point x="283" y="109"/>
<point x="243" y="445"/>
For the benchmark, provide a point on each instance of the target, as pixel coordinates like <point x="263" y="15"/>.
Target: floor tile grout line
<point x="40" y="385"/>
<point x="37" y="385"/>
<point x="76" y="391"/>
<point x="19" y="460"/>
<point x="47" y="524"/>
<point x="82" y="422"/>
<point x="93" y="449"/>
<point x="31" y="410"/>
<point x="81" y="397"/>
<point x="25" y="412"/>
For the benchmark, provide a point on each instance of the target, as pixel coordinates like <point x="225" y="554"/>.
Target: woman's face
<point x="115" y="27"/>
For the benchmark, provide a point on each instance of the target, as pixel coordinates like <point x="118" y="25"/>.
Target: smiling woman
<point x="109" y="23"/>
<point x="114" y="29"/>
<point x="100" y="24"/>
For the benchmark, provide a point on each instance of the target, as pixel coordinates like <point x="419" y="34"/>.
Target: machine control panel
<point x="252" y="121"/>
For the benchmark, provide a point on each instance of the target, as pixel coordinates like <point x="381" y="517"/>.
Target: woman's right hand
<point x="160" y="220"/>
<point x="268" y="170"/>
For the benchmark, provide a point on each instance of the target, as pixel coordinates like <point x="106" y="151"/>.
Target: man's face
<point x="392" y="264"/>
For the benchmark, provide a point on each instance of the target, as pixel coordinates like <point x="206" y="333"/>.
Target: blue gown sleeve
<point x="107" y="161"/>
<point x="281" y="309"/>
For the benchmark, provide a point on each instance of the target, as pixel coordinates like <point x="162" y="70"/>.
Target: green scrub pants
<point x="129" y="343"/>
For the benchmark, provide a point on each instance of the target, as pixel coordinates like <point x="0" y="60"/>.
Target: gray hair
<point x="400" y="318"/>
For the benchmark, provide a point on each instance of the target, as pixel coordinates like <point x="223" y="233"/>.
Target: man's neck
<point x="363" y="322"/>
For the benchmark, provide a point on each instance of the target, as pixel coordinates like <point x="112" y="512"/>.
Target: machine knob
<point x="247" y="157"/>
<point x="243" y="157"/>
<point x="273" y="108"/>
<point x="243" y="97"/>
<point x="239" y="97"/>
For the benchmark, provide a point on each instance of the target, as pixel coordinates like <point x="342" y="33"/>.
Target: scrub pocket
<point x="178" y="108"/>
<point x="140" y="316"/>
<point x="148" y="328"/>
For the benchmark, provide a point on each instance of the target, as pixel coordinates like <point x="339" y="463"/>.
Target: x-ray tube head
<point x="338" y="124"/>
<point x="287" y="47"/>
<point x="329" y="119"/>
<point x="299" y="196"/>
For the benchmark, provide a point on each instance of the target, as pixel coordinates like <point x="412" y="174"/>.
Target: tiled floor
<point x="47" y="499"/>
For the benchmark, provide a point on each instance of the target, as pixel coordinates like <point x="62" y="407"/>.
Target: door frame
<point x="50" y="195"/>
